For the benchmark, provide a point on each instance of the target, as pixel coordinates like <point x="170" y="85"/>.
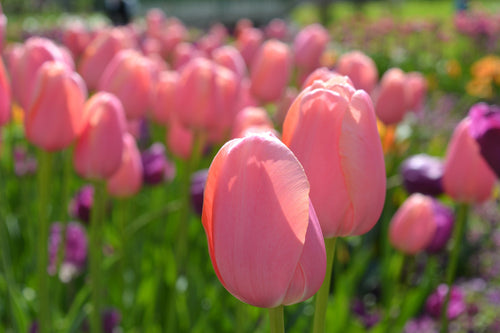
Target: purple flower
<point x="485" y="128"/>
<point x="156" y="166"/>
<point x="81" y="205"/>
<point x="456" y="305"/>
<point x="24" y="163"/>
<point x="111" y="318"/>
<point x="422" y="173"/>
<point x="420" y="325"/>
<point x="444" y="220"/>
<point x="198" y="180"/>
<point x="368" y="318"/>
<point x="75" y="251"/>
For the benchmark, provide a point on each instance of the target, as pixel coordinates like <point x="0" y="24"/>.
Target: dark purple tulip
<point x="75" y="251"/>
<point x="198" y="180"/>
<point x="81" y="204"/>
<point x="157" y="168"/>
<point x="445" y="220"/>
<point x="485" y="128"/>
<point x="111" y="318"/>
<point x="422" y="173"/>
<point x="435" y="301"/>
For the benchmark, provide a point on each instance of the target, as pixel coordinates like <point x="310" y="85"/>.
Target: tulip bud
<point x="76" y="38"/>
<point x="332" y="129"/>
<point x="248" y="42"/>
<point x="81" y="204"/>
<point x="277" y="29"/>
<point x="5" y="95"/>
<point x="309" y="45"/>
<point x="416" y="86"/>
<point x="163" y="98"/>
<point x="248" y="117"/>
<point x="413" y="226"/>
<point x="155" y="22"/>
<point x="423" y="174"/>
<point x="30" y="57"/>
<point x="98" y="151"/>
<point x="271" y="71"/>
<point x="127" y="181"/>
<point x="156" y="166"/>
<point x="322" y="74"/>
<point x="179" y="139"/>
<point x="99" y="53"/>
<point x="444" y="218"/>
<point x="174" y="33"/>
<point x="485" y="129"/>
<point x="55" y="116"/>
<point x="229" y="57"/>
<point x="183" y="54"/>
<point x="467" y="177"/>
<point x="257" y="213"/>
<point x="391" y="100"/>
<point x="360" y="68"/>
<point x="129" y="76"/>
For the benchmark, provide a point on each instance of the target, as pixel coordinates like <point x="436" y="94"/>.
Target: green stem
<point x="45" y="162"/>
<point x="276" y="320"/>
<point x="241" y="316"/>
<point x="458" y="236"/>
<point x="324" y="291"/>
<point x="121" y="223"/>
<point x="95" y="259"/>
<point x="63" y="213"/>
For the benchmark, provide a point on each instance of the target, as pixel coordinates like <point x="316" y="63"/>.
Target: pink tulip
<point x="250" y="117"/>
<point x="129" y="76"/>
<point x="183" y="53"/>
<point x="332" y="129"/>
<point x="309" y="45"/>
<point x="246" y="98"/>
<point x="5" y="95"/>
<point x="164" y="97"/>
<point x="155" y="22"/>
<point x="277" y="28"/>
<point x="229" y="57"/>
<point x="391" y="100"/>
<point x="98" y="152"/>
<point x="242" y="25"/>
<point x="271" y="71"/>
<point x="360" y="68"/>
<point x="179" y="139"/>
<point x="35" y="52"/>
<point x="413" y="226"/>
<point x="54" y="117"/>
<point x="174" y="34"/>
<point x="263" y="236"/>
<point x="322" y="74"/>
<point x="76" y="38"/>
<point x="416" y="90"/>
<point x="467" y="177"/>
<point x="284" y="104"/>
<point x="206" y="97"/>
<point x="248" y="43"/>
<point x="127" y="180"/>
<point x="99" y="53"/>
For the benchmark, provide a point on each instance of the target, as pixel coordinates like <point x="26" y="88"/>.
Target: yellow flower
<point x="486" y="67"/>
<point x="17" y="114"/>
<point x="453" y="68"/>
<point x="480" y="87"/>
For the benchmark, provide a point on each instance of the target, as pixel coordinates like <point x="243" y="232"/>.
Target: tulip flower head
<point x="309" y="45"/>
<point x="127" y="181"/>
<point x="391" y="100"/>
<point x="467" y="177"/>
<point x="163" y="96"/>
<point x="271" y="71"/>
<point x="445" y="220"/>
<point x="332" y="129"/>
<point x="98" y="152"/>
<point x="360" y="68"/>
<point x="256" y="214"/>
<point x="413" y="226"/>
<point x="156" y="167"/>
<point x="55" y="116"/>
<point x="423" y="174"/>
<point x="485" y="128"/>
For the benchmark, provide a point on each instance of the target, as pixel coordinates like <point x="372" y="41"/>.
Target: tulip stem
<point x="324" y="291"/>
<point x="276" y="320"/>
<point x="458" y="235"/>
<point x="96" y="222"/>
<point x="67" y="169"/>
<point x="45" y="160"/>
